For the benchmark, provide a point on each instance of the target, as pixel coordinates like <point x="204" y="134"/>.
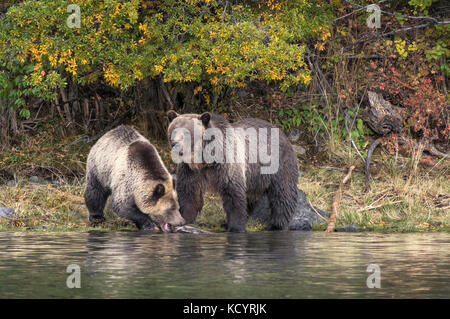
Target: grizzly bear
<point x="243" y="178"/>
<point x="126" y="166"/>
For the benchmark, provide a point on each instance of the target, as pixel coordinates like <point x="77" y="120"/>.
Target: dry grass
<point x="407" y="193"/>
<point x="50" y="208"/>
<point x="404" y="196"/>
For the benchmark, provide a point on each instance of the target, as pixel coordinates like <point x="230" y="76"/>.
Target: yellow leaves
<point x="53" y="59"/>
<point x="146" y="33"/>
<point x="206" y="97"/>
<point x="214" y="81"/>
<point x="35" y="54"/>
<point x="43" y="49"/>
<point x="138" y="74"/>
<point x="325" y="35"/>
<point x="320" y="46"/>
<point x="111" y="75"/>
<point x="195" y="62"/>
<point x="306" y="78"/>
<point x="400" y="46"/>
<point x="274" y="5"/>
<point x="72" y="66"/>
<point x="158" y="68"/>
<point x="117" y="9"/>
<point x="222" y="69"/>
<point x="241" y="84"/>
<point x="36" y="78"/>
<point x="275" y="75"/>
<point x="65" y="55"/>
<point x="245" y="49"/>
<point x="98" y="17"/>
<point x="413" y="46"/>
<point x="210" y="69"/>
<point x="143" y="27"/>
<point x="198" y="89"/>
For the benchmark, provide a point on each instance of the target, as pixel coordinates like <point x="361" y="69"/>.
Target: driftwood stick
<point x="337" y="200"/>
<point x="372" y="147"/>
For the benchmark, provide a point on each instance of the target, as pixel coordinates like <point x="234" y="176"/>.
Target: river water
<point x="253" y="265"/>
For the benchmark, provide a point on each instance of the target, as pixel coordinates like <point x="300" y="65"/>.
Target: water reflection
<point x="258" y="265"/>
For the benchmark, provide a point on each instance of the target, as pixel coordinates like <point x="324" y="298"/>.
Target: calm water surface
<point x="254" y="265"/>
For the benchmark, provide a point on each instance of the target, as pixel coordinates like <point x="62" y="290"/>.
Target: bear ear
<point x="158" y="191"/>
<point x="171" y="115"/>
<point x="205" y="118"/>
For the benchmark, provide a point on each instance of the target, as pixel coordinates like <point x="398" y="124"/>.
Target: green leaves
<point x="121" y="42"/>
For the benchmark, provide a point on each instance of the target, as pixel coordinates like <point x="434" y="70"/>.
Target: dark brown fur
<point x="145" y="156"/>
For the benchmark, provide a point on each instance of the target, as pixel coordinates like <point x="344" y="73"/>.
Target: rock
<point x="37" y="227"/>
<point x="294" y="135"/>
<point x="11" y="183"/>
<point x="242" y="93"/>
<point x="55" y="182"/>
<point x="352" y="228"/>
<point x="303" y="218"/>
<point x="74" y="213"/>
<point x="299" y="149"/>
<point x="37" y="180"/>
<point x="7" y="212"/>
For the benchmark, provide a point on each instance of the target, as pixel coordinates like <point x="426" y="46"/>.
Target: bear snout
<point x="176" y="147"/>
<point x="174" y="218"/>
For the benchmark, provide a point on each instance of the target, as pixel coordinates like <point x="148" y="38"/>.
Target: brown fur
<point x="241" y="185"/>
<point x="127" y="167"/>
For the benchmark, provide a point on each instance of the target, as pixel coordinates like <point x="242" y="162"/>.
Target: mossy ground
<point x="406" y="195"/>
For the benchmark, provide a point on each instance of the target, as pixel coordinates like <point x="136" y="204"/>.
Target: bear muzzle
<point x="176" y="148"/>
<point x="173" y="223"/>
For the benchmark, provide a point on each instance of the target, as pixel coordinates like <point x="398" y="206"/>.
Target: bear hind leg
<point x="95" y="196"/>
<point x="283" y="204"/>
<point x="235" y="206"/>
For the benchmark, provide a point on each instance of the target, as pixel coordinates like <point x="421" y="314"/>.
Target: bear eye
<point x="158" y="191"/>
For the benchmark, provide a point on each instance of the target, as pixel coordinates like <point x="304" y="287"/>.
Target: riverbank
<point x="395" y="203"/>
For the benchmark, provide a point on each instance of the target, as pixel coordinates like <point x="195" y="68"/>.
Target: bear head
<point x="154" y="192"/>
<point x="186" y="136"/>
<point x="159" y="200"/>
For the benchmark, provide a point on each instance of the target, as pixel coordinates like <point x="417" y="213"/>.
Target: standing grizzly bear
<point x="125" y="165"/>
<point x="240" y="183"/>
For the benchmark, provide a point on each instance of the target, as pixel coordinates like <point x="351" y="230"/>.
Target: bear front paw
<point x="96" y="220"/>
